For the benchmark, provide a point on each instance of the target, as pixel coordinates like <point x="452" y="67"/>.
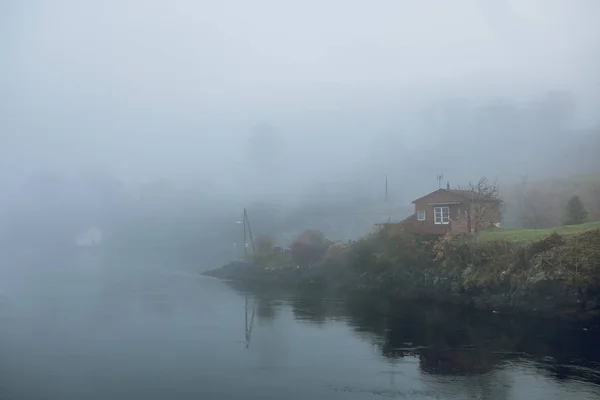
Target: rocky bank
<point x="557" y="276"/>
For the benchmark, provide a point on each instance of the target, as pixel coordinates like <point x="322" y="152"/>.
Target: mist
<point x="162" y="120"/>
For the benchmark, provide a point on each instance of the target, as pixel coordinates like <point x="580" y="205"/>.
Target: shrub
<point x="309" y="247"/>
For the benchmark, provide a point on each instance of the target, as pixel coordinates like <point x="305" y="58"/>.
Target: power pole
<point x="246" y="223"/>
<point x="386" y="189"/>
<point x="245" y="241"/>
<point x="249" y="231"/>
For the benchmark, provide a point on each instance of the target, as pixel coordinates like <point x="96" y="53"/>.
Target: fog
<point x="160" y="120"/>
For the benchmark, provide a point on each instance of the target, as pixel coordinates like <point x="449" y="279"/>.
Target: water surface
<point x="99" y="330"/>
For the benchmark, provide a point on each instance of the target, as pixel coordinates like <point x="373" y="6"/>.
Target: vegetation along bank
<point x="549" y="272"/>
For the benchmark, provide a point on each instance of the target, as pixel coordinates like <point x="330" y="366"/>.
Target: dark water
<point x="102" y="331"/>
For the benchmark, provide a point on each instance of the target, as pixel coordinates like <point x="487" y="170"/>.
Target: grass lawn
<point x="532" y="235"/>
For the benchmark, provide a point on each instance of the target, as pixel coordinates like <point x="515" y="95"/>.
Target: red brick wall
<point x="460" y="225"/>
<point x="462" y="219"/>
<point x="428" y="205"/>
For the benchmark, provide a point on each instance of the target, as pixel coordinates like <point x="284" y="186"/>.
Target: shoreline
<point x="256" y="283"/>
<point x="556" y="277"/>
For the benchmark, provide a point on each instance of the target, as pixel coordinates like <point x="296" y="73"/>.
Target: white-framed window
<point x="421" y="215"/>
<point x="441" y="215"/>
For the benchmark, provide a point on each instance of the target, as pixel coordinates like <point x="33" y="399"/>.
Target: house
<point x="452" y="210"/>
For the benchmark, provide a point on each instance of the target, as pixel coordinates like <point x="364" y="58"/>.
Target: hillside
<point x="533" y="235"/>
<point x="541" y="204"/>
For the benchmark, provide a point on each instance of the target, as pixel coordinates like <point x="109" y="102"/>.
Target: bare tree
<point x="265" y="244"/>
<point x="485" y="203"/>
<point x="541" y="204"/>
<point x="309" y="247"/>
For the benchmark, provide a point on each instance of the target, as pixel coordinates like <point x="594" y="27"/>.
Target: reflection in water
<point x="249" y="321"/>
<point x="130" y="333"/>
<point x="457" y="361"/>
<point x="447" y="340"/>
<point x="307" y="307"/>
<point x="267" y="310"/>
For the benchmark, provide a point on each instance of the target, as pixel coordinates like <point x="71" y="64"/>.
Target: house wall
<point x="462" y="214"/>
<point x="460" y="225"/>
<point x="459" y="222"/>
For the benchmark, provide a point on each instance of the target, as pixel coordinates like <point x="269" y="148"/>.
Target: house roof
<point x="460" y="193"/>
<point x="471" y="195"/>
<point x="411" y="217"/>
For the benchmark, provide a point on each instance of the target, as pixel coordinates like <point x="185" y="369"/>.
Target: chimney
<point x="448" y="185"/>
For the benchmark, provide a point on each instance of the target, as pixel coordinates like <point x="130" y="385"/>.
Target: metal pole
<point x="250" y="232"/>
<point x="245" y="242"/>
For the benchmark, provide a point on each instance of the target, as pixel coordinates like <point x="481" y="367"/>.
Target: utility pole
<point x="246" y="224"/>
<point x="386" y="189"/>
<point x="245" y="241"/>
<point x="249" y="231"/>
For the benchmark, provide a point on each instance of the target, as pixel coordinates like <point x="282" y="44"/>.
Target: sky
<point x="153" y="89"/>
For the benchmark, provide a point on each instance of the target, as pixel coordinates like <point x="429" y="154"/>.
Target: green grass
<point x="532" y="235"/>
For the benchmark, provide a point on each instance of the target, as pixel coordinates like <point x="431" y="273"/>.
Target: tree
<point x="485" y="203"/>
<point x="575" y="212"/>
<point x="309" y="247"/>
<point x="265" y="244"/>
<point x="336" y="252"/>
<point x="265" y="250"/>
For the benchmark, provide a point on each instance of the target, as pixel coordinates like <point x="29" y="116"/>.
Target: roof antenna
<point x="386" y="189"/>
<point x="440" y="177"/>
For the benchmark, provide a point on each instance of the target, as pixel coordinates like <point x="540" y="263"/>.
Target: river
<point x="113" y="332"/>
